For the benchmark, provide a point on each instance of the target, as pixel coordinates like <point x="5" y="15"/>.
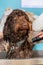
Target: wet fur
<point x="15" y="31"/>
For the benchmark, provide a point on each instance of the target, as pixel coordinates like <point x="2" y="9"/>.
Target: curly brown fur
<point x="16" y="29"/>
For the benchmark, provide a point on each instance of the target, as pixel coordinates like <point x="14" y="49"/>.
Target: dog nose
<point x="25" y="25"/>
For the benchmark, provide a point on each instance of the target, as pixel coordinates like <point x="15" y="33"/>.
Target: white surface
<point x="32" y="3"/>
<point x="37" y="61"/>
<point x="38" y="23"/>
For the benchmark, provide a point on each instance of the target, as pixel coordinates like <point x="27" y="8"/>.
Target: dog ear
<point x="6" y="32"/>
<point x="30" y="26"/>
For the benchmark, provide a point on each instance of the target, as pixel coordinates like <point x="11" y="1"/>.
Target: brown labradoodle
<point x="16" y="30"/>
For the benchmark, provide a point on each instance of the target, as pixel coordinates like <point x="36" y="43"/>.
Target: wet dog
<point x="16" y="30"/>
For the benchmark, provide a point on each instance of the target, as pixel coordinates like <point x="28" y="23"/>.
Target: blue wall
<point x="16" y="4"/>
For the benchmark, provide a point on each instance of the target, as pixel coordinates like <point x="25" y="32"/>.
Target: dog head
<point x="16" y="27"/>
